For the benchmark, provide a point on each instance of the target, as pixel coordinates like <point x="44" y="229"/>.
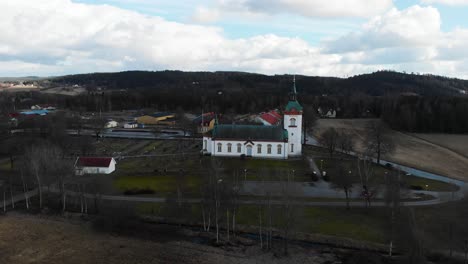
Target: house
<point x="131" y="125"/>
<point x="271" y="118"/>
<point x="330" y="113"/>
<point x="205" y="122"/>
<point x="111" y="124"/>
<point x="41" y="112"/>
<point x="43" y="107"/>
<point x="154" y="118"/>
<point x="280" y="141"/>
<point x="94" y="165"/>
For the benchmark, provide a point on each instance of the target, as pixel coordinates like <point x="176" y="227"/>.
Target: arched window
<point x="292" y="147"/>
<point x="220" y="147"/>
<point x="292" y="122"/>
<point x="259" y="149"/>
<point x="269" y="149"/>
<point x="279" y="149"/>
<point x="229" y="147"/>
<point x="239" y="147"/>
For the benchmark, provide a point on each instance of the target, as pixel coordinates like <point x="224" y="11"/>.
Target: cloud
<point x="306" y="8"/>
<point x="446" y="2"/>
<point x="205" y="15"/>
<point x="415" y="26"/>
<point x="56" y="37"/>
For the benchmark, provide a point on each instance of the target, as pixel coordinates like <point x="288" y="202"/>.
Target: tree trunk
<point x="39" y="188"/>
<point x="216" y="222"/>
<point x="234" y="222"/>
<point x="4" y="201"/>
<point x="11" y="195"/>
<point x="24" y="190"/>
<point x="260" y="231"/>
<point x="209" y="221"/>
<point x="227" y="221"/>
<point x="203" y="216"/>
<point x="347" y="198"/>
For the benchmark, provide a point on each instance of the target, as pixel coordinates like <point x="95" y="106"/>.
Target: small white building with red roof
<point x="94" y="165"/>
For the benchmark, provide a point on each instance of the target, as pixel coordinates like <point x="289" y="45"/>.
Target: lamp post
<point x="321" y="164"/>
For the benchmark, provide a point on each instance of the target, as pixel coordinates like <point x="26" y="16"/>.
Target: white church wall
<point x="234" y="152"/>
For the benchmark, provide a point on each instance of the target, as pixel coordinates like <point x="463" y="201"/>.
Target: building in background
<point x="155" y="118"/>
<point x="94" y="165"/>
<point x="205" y="122"/>
<point x="111" y="124"/>
<point x="271" y="118"/>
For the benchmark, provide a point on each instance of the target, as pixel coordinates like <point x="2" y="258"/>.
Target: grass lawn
<point x="160" y="184"/>
<point x="357" y="223"/>
<point x="268" y="169"/>
<point x="5" y="165"/>
<point x="331" y="167"/>
<point x="428" y="184"/>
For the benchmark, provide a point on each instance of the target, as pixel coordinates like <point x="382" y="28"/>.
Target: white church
<point x="276" y="142"/>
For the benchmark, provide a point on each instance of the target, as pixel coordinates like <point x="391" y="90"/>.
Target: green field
<point x="358" y="223"/>
<point x="379" y="174"/>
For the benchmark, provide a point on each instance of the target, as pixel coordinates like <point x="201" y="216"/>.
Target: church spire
<point x="293" y="94"/>
<point x="294" y="85"/>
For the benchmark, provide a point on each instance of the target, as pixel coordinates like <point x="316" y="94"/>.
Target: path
<point x="122" y="198"/>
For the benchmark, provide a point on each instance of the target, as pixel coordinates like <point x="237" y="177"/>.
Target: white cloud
<point x="446" y="2"/>
<point x="307" y="8"/>
<point x="205" y="15"/>
<point x="415" y="26"/>
<point x="58" y="36"/>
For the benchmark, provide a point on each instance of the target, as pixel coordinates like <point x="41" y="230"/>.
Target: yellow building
<point x="154" y="118"/>
<point x="205" y="122"/>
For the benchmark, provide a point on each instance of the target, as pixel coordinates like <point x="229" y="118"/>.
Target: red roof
<point x="94" y="162"/>
<point x="271" y="117"/>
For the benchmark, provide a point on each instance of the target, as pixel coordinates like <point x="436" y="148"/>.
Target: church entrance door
<point x="249" y="150"/>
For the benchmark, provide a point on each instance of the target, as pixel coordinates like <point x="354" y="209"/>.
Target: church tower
<point x="293" y="123"/>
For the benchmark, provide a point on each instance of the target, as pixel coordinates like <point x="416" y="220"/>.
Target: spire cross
<point x="294" y="84"/>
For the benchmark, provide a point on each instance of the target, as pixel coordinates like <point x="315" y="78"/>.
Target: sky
<point x="312" y="37"/>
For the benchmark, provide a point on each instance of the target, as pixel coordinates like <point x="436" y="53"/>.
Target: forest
<point x="408" y="102"/>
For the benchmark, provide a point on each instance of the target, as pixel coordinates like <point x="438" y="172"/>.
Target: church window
<point x="269" y="149"/>
<point x="219" y="147"/>
<point x="259" y="149"/>
<point x="279" y="149"/>
<point x="292" y="122"/>
<point x="229" y="145"/>
<point x="239" y="146"/>
<point x="292" y="147"/>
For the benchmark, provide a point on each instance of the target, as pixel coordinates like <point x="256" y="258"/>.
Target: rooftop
<point x="293" y="105"/>
<point x="250" y="132"/>
<point x="102" y="162"/>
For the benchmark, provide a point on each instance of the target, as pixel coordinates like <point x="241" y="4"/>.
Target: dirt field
<point x="411" y="150"/>
<point x="35" y="239"/>
<point x="457" y="143"/>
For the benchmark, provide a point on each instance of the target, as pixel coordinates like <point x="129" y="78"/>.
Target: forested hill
<point x="375" y="84"/>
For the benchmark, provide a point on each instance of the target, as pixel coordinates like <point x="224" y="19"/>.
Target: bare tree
<point x="343" y="180"/>
<point x="392" y="201"/>
<point x="288" y="209"/>
<point x="345" y="142"/>
<point x="378" y="140"/>
<point x="47" y="165"/>
<point x="329" y="139"/>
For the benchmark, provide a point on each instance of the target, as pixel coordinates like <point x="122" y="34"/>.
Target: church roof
<point x="250" y="132"/>
<point x="293" y="105"/>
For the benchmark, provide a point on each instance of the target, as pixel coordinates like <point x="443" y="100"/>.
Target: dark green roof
<point x="250" y="132"/>
<point x="293" y="105"/>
